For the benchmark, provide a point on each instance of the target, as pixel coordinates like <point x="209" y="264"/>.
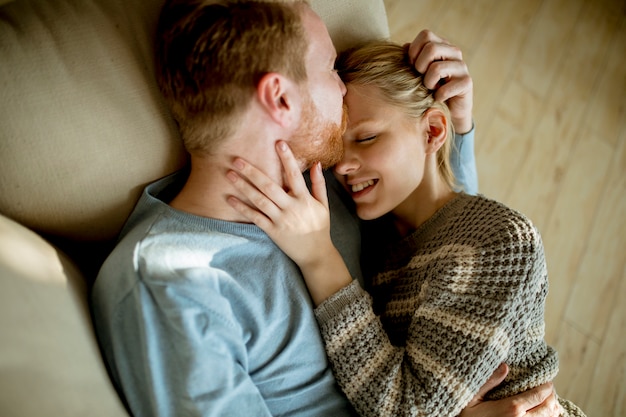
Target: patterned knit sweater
<point x="462" y="294"/>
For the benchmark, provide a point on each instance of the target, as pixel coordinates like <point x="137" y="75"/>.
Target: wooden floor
<point x="550" y="110"/>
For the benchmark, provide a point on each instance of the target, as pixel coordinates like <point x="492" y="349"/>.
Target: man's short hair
<point x="211" y="54"/>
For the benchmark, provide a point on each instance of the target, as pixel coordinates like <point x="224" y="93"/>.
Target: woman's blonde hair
<point x="386" y="65"/>
<point x="211" y="54"/>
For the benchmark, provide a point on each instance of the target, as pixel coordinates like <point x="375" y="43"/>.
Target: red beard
<point x="317" y="140"/>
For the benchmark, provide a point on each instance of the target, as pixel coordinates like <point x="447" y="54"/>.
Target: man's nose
<point x="342" y="86"/>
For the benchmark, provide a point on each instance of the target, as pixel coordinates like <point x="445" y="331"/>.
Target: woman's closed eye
<point x="366" y="139"/>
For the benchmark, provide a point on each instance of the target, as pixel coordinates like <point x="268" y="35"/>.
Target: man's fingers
<point x="423" y="38"/>
<point x="494" y="380"/>
<point x="536" y="396"/>
<point x="445" y="70"/>
<point x="432" y="53"/>
<point x="537" y="402"/>
<point x="549" y="407"/>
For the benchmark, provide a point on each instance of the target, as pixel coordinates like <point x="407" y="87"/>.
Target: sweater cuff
<point x="339" y="301"/>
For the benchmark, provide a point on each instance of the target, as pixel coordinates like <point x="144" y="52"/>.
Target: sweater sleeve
<point x="467" y="318"/>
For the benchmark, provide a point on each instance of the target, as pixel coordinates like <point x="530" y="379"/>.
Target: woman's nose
<point x="348" y="163"/>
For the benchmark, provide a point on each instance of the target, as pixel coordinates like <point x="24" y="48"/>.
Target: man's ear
<point x="437" y="129"/>
<point x="275" y="94"/>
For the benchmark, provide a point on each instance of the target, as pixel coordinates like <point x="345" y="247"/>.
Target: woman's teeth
<point x="361" y="186"/>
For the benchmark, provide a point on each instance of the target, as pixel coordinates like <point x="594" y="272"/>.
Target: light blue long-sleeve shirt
<point x="202" y="317"/>
<point x="463" y="161"/>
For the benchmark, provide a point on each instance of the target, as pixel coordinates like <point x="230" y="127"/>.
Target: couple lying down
<point x="460" y="280"/>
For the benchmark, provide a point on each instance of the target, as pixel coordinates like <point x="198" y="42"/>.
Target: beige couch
<point x="82" y="131"/>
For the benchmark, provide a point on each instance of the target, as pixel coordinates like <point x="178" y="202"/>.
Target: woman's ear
<point x="275" y="95"/>
<point x="437" y="129"/>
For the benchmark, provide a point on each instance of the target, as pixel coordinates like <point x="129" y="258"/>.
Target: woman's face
<point x="384" y="154"/>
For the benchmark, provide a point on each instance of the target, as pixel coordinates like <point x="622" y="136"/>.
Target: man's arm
<point x="172" y="355"/>
<point x="463" y="162"/>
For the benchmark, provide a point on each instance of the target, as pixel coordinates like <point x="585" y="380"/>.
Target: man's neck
<point x="204" y="193"/>
<point x="207" y="188"/>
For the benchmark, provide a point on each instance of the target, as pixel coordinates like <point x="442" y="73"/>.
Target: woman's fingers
<point x="251" y="214"/>
<point x="318" y="185"/>
<point x="266" y="208"/>
<point x="291" y="168"/>
<point x="256" y="185"/>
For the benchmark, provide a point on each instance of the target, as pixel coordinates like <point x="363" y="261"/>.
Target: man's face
<point x="318" y="140"/>
<point x="323" y="119"/>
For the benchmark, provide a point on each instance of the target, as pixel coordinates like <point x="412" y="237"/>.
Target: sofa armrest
<point x="49" y="359"/>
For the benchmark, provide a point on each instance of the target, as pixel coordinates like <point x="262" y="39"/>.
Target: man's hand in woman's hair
<point x="444" y="71"/>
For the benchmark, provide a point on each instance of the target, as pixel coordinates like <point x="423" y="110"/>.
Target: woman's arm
<point x="297" y="220"/>
<point x="457" y="337"/>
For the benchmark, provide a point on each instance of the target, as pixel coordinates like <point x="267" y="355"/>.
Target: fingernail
<point x="282" y="146"/>
<point x="231" y="176"/>
<point x="238" y="163"/>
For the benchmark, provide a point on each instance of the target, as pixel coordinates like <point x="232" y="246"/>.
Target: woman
<point x="461" y="282"/>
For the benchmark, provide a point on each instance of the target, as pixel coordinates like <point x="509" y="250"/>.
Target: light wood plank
<point x="578" y="356"/>
<point x="593" y="296"/>
<point x="567" y="231"/>
<point x="607" y="109"/>
<point x="608" y="394"/>
<point x="503" y="148"/>
<point x="493" y="62"/>
<point x="463" y="22"/>
<point x="549" y="35"/>
<point x="558" y="122"/>
<point x="411" y="17"/>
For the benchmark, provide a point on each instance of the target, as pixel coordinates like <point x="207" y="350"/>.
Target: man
<point x="197" y="312"/>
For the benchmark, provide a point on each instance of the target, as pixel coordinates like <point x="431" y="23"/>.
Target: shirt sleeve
<point x="463" y="161"/>
<point x="176" y="355"/>
<point x="461" y="331"/>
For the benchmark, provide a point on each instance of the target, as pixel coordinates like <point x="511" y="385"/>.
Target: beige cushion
<point x="49" y="361"/>
<point x="82" y="126"/>
<point x="351" y="22"/>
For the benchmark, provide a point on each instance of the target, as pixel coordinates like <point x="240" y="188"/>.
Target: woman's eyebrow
<point x="361" y="122"/>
